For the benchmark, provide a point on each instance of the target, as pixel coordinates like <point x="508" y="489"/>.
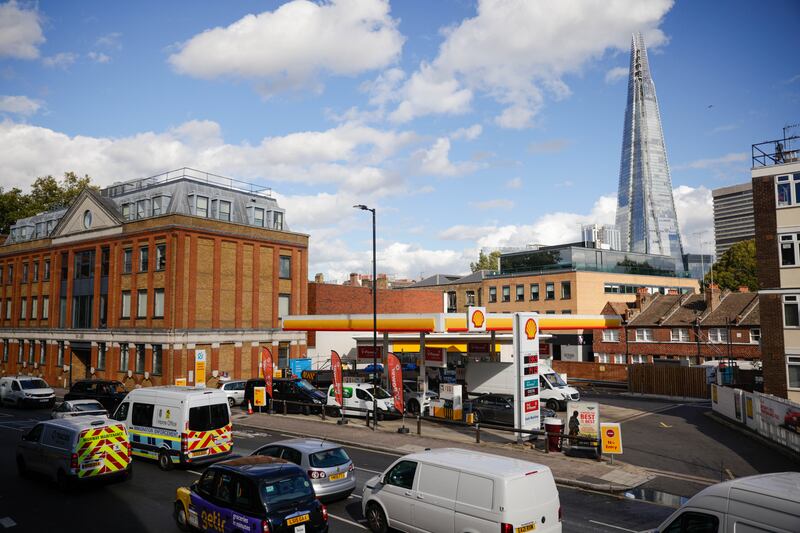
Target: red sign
<point x="365" y="353"/>
<point x="396" y="381"/>
<point x="610" y="433"/>
<point x="478" y="347"/>
<point x="434" y="355"/>
<point x="544" y="349"/>
<point x="266" y="368"/>
<point x="336" y="374"/>
<point x="532" y="405"/>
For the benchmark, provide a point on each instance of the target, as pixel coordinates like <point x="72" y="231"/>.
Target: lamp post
<point x="374" y="319"/>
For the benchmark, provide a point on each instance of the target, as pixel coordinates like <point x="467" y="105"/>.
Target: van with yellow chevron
<point x="76" y="449"/>
<point x="177" y="425"/>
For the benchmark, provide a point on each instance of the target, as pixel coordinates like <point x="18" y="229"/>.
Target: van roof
<point x="79" y="423"/>
<point x="782" y="485"/>
<point x="174" y="391"/>
<point x="478" y="462"/>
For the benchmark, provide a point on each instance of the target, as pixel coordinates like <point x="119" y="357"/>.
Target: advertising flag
<point x="396" y="380"/>
<point x="266" y="368"/>
<point x="336" y="376"/>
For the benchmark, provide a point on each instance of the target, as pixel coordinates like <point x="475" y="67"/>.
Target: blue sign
<point x="531" y="383"/>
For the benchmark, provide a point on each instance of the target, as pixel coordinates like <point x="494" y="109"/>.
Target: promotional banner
<point x="435" y="357"/>
<point x="611" y="437"/>
<point x="584" y="420"/>
<point x="200" y="368"/>
<point x="364" y="353"/>
<point x="396" y="381"/>
<point x="266" y="368"/>
<point x="476" y="319"/>
<point x="336" y="376"/>
<point x="526" y="356"/>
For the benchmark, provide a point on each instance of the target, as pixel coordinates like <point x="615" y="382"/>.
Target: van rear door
<point x="525" y="513"/>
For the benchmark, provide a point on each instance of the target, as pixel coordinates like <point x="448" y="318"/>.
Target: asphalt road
<point x="144" y="503"/>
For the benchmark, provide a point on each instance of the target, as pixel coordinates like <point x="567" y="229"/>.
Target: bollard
<point x="368" y="414"/>
<point x="546" y="447"/>
<point x="478" y="433"/>
<point x="322" y="410"/>
<point x="284" y="407"/>
<point x="419" y="425"/>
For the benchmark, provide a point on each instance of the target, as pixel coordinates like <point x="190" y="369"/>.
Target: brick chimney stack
<point x="383" y="281"/>
<point x="354" y="280"/>
<point x="319" y="278"/>
<point x="744" y="288"/>
<point x="672" y="292"/>
<point x="712" y="296"/>
<point x="643" y="298"/>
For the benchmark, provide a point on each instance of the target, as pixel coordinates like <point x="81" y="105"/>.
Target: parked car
<point x="452" y="489"/>
<point x="26" y="391"/>
<point x="71" y="408"/>
<point x="234" y="390"/>
<point x="415" y="403"/>
<point x="71" y="449"/>
<point x="499" y="409"/>
<point x="359" y="398"/>
<point x="768" y="502"/>
<point x="328" y="465"/>
<point x="300" y="395"/>
<point x="251" y="494"/>
<point x="792" y="420"/>
<point x="108" y="392"/>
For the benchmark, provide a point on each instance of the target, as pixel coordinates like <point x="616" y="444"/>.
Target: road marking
<point x="346" y="520"/>
<point x="654" y="411"/>
<point x="10" y="427"/>
<point x="612" y="526"/>
<point x="663" y="425"/>
<point x="354" y="496"/>
<point x="730" y="474"/>
<point x="683" y="477"/>
<point x="7" y="522"/>
<point x="368" y="470"/>
<point x="195" y="473"/>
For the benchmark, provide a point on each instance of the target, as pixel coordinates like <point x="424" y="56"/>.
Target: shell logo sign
<point x="530" y="329"/>
<point x="476" y="319"/>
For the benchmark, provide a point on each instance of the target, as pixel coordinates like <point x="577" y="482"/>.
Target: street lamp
<point x="374" y="320"/>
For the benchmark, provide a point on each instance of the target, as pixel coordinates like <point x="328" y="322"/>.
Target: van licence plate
<point x="297" y="519"/>
<point x="525" y="527"/>
<point x="90" y="465"/>
<point x="336" y="477"/>
<point x="198" y="453"/>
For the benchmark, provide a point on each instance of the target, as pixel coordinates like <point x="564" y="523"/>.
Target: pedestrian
<point x="574" y="426"/>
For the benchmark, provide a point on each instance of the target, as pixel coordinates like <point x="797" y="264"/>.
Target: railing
<point x="775" y="152"/>
<point x="546" y="269"/>
<point x="119" y="189"/>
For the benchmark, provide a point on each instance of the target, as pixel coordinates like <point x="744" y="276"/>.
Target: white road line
<point x="682" y="477"/>
<point x="346" y="520"/>
<point x="612" y="526"/>
<point x="368" y="470"/>
<point x="355" y="496"/>
<point x="10" y="427"/>
<point x="7" y="522"/>
<point x="195" y="473"/>
<point x="648" y="413"/>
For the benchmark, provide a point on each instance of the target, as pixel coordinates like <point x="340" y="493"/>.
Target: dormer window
<point x="201" y="206"/>
<point x="142" y="208"/>
<point x="158" y="202"/>
<point x="126" y="211"/>
<point x="258" y="217"/>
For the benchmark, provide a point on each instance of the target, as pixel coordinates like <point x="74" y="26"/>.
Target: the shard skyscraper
<point x="646" y="215"/>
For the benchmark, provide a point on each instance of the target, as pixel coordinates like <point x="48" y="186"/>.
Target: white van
<point x="185" y="425"/>
<point x="360" y="396"/>
<point x="87" y="447"/>
<point x="554" y="391"/>
<point x="455" y="490"/>
<point x="21" y="391"/>
<point x="769" y="502"/>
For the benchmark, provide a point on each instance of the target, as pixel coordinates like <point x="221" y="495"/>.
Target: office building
<point x="733" y="216"/>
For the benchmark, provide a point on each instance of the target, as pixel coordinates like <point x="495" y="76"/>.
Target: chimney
<point x="643" y="298"/>
<point x="672" y="292"/>
<point x="319" y="278"/>
<point x="383" y="282"/>
<point x="712" y="296"/>
<point x="744" y="288"/>
<point x="354" y="281"/>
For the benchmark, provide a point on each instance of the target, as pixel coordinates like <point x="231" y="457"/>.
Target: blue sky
<point x="467" y="124"/>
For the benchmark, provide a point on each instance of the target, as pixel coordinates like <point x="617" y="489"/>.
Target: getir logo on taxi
<point x="213" y="521"/>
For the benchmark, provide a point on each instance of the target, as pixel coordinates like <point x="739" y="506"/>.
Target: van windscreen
<point x="208" y="417"/>
<point x="28" y="384"/>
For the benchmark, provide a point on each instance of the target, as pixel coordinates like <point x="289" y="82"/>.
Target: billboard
<point x="200" y="368"/>
<point x="435" y="357"/>
<point x="364" y="353"/>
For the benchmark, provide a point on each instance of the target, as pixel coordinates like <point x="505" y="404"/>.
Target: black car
<point x="107" y="392"/>
<point x="255" y="493"/>
<point x="300" y="395"/>
<point x="499" y="409"/>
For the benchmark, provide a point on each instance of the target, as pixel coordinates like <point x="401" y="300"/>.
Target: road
<point x="144" y="503"/>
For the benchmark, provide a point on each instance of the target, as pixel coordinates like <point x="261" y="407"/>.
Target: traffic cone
<point x="249" y="408"/>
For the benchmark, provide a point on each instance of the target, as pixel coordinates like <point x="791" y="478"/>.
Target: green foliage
<point x="736" y="267"/>
<point x="47" y="193"/>
<point x="486" y="262"/>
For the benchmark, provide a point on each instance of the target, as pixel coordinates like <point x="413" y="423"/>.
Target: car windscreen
<point x="379" y="393"/>
<point x="28" y="384"/>
<point x="555" y="379"/>
<point x="275" y="492"/>
<point x="305" y="385"/>
<point x="328" y="458"/>
<point x="208" y="417"/>
<point x="89" y="406"/>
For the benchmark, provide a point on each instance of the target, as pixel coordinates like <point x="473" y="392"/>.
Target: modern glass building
<point x="646" y="215"/>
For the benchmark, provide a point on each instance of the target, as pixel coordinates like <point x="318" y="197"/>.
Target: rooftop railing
<point x="119" y="189"/>
<point x="775" y="152"/>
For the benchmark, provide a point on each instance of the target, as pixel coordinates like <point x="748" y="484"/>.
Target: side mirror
<point x="382" y="480"/>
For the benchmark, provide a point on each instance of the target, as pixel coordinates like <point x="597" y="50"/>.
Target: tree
<point x="486" y="262"/>
<point x="13" y="206"/>
<point x="47" y="193"/>
<point x="736" y="268"/>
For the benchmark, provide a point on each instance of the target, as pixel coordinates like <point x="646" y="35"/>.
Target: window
<point x="34" y="308"/>
<point x="601" y="358"/>
<point x="161" y="256"/>
<point x="84" y="265"/>
<point x="791" y="312"/>
<point x="639" y="359"/>
<point x="31" y="352"/>
<point x="157" y="358"/>
<point x="788" y="249"/>
<point x="679" y="335"/>
<point x="610" y="335"/>
<point x="506" y="293"/>
<point x="470" y="297"/>
<point x="285" y="267"/>
<point x="36" y="270"/>
<point x="402" y="474"/>
<point x="755" y="335"/>
<point x="492" y="295"/>
<point x="566" y="312"/>
<point x="550" y="291"/>
<point x="718" y="335"/>
<point x="20" y="351"/>
<point x="24" y="272"/>
<point x="127" y="261"/>
<point x="619" y="359"/>
<point x="787" y="190"/>
<point x="549" y="312"/>
<point x="105" y="256"/>
<point x="82" y="311"/>
<point x="793" y="371"/>
<point x="46" y="273"/>
<point x="283" y="305"/>
<point x="126" y="304"/>
<point x="10" y="277"/>
<point x="1" y="273"/>
<point x="23" y="309"/>
<point x="534" y="292"/>
<point x="278" y="220"/>
<point x="42" y="353"/>
<point x="694" y="522"/>
<point x="158" y="303"/>
<point x="142" y="208"/>
<point x="126" y="211"/>
<point x="224" y="210"/>
<point x="101" y="356"/>
<point x="144" y="257"/>
<point x="566" y="290"/>
<point x="60" y="354"/>
<point x="201" y="206"/>
<point x="124" y="355"/>
<point x="158" y="205"/>
<point x="142" y="414"/>
<point x="208" y="417"/>
<point x="141" y="303"/>
<point x="5" y="350"/>
<point x="139" y="361"/>
<point x="520" y="295"/>
<point x="644" y="335"/>
<point x="258" y="217"/>
<point x="45" y="307"/>
<point x="452" y="302"/>
<point x="8" y="309"/>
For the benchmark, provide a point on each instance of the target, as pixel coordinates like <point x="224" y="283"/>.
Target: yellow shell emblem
<point x="530" y="328"/>
<point x="478" y="318"/>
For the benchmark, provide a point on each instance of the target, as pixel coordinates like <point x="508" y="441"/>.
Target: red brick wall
<point x="773" y="358"/>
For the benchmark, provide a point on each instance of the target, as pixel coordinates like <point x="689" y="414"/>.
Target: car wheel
<point x="552" y="404"/>
<point x="164" y="461"/>
<point x="231" y="402"/>
<point x="413" y="407"/>
<point x="22" y="468"/>
<point x="180" y="517"/>
<point x="376" y="519"/>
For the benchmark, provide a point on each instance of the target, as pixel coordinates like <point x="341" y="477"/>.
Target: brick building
<point x="687" y="328"/>
<point x="142" y="274"/>
<point x="776" y="204"/>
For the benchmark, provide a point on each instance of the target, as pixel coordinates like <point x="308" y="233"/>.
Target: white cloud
<point x="498" y="203"/>
<point x="514" y="183"/>
<point x="552" y="146"/>
<point x="727" y="159"/>
<point x="109" y="40"/>
<point x="20" y="31"/>
<point x="99" y="57"/>
<point x="723" y="128"/>
<point x="515" y="52"/>
<point x="470" y="134"/>
<point x="62" y="60"/>
<point x="19" y="105"/>
<point x="436" y="160"/>
<point x="289" y="46"/>
<point x="695" y="210"/>
<point x="616" y="74"/>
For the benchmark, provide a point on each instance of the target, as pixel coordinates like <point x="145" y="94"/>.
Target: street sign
<point x="611" y="437"/>
<point x="526" y="357"/>
<point x="476" y="319"/>
<point x="200" y="368"/>
<point x="260" y="396"/>
<point x="180" y="382"/>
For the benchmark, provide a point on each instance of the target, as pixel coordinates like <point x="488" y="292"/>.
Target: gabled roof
<point x="106" y="205"/>
<point x="436" y="279"/>
<point x="684" y="310"/>
<point x="730" y="308"/>
<point x="479" y="275"/>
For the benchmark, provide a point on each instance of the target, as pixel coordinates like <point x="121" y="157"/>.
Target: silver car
<point x="331" y="471"/>
<point x="70" y="408"/>
<point x="234" y="390"/>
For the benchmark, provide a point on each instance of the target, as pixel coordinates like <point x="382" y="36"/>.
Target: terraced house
<point x="133" y="280"/>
